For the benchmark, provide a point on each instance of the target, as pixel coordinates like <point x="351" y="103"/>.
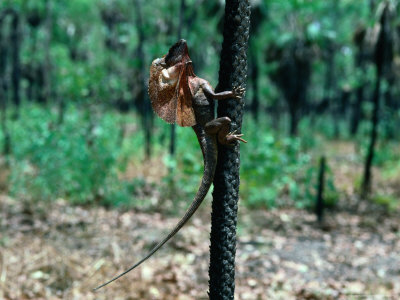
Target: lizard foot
<point x="238" y="92"/>
<point x="232" y="137"/>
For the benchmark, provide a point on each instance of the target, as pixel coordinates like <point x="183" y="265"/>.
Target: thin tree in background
<point x="360" y="63"/>
<point x="33" y="71"/>
<point x="292" y="75"/>
<point x="383" y="57"/>
<point x="47" y="74"/>
<point x="258" y="15"/>
<point x="11" y="49"/>
<point x="15" y="61"/>
<point x="145" y="108"/>
<point x="182" y="7"/>
<point x="3" y="95"/>
<point x="319" y="206"/>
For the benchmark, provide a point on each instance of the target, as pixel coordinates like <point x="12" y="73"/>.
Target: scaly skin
<point x="208" y="130"/>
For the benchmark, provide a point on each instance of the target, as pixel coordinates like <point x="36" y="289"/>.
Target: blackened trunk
<point x="6" y="149"/>
<point x="233" y="72"/>
<point x="147" y="116"/>
<point x="319" y="207"/>
<point x="61" y="110"/>
<point x="47" y="62"/>
<point x="294" y="118"/>
<point x="172" y="144"/>
<point x="366" y="186"/>
<point x="390" y="108"/>
<point x="255" y="104"/>
<point x="383" y="58"/>
<point x="16" y="73"/>
<point x="357" y="110"/>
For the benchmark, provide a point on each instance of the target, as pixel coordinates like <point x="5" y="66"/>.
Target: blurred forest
<point x="87" y="170"/>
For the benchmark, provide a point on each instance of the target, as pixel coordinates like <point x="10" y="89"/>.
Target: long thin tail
<point x="209" y="169"/>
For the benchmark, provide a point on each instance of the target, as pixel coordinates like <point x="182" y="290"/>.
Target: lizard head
<point x="177" y="54"/>
<point x="169" y="90"/>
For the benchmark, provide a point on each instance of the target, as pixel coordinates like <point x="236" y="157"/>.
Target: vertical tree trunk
<point x="182" y="7"/>
<point x="147" y="116"/>
<point x="319" y="207"/>
<point x="294" y="117"/>
<point x="16" y="73"/>
<point x="383" y="59"/>
<point x="47" y="61"/>
<point x="255" y="103"/>
<point x="232" y="73"/>
<point x="366" y="186"/>
<point x="390" y="108"/>
<point x="61" y="110"/>
<point x="357" y="110"/>
<point x="6" y="148"/>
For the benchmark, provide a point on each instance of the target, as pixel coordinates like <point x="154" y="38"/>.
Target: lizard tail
<point x="210" y="162"/>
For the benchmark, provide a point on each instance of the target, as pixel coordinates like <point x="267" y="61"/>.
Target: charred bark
<point x="383" y="57"/>
<point x="6" y="149"/>
<point x="320" y="206"/>
<point x="145" y="109"/>
<point x="15" y="61"/>
<point x="182" y="7"/>
<point x="292" y="75"/>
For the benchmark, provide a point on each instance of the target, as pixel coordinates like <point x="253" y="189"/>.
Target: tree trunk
<point x="172" y="144"/>
<point x="6" y="149"/>
<point x="366" y="186"/>
<point x="147" y="115"/>
<point x="357" y="110"/>
<point x="232" y="73"/>
<point x="383" y="58"/>
<point x="47" y="61"/>
<point x="16" y="73"/>
<point x="294" y="119"/>
<point x="254" y="74"/>
<point x="319" y="207"/>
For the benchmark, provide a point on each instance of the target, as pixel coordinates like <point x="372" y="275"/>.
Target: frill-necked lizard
<point x="179" y="96"/>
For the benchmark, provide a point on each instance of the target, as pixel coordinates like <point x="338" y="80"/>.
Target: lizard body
<point x="178" y="95"/>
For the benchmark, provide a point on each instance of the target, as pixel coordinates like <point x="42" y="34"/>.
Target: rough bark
<point x="233" y="73"/>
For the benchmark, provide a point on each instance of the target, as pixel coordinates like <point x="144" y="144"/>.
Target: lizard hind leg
<point x="221" y="128"/>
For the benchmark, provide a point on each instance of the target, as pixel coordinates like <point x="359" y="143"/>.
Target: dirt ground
<point x="59" y="251"/>
<point x="63" y="252"/>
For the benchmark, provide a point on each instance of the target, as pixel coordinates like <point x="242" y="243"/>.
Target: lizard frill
<point x="171" y="100"/>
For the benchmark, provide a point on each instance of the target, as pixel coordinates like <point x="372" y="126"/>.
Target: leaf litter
<point x="63" y="252"/>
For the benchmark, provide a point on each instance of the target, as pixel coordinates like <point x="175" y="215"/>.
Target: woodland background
<point x="90" y="178"/>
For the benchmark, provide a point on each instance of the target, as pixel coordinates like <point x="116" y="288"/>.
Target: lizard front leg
<point x="236" y="93"/>
<point x="220" y="127"/>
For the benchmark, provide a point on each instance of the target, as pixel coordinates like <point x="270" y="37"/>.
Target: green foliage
<point x="276" y="168"/>
<point x="391" y="203"/>
<point x="93" y="58"/>
<point x="78" y="160"/>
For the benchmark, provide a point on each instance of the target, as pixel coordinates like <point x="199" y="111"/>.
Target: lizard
<point x="178" y="96"/>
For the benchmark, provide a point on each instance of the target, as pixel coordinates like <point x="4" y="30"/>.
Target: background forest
<point x="84" y="160"/>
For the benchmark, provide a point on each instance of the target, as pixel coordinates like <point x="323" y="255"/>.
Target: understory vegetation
<point x="92" y="156"/>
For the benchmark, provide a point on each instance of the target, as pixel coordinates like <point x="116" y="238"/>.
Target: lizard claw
<point x="238" y="92"/>
<point x="232" y="132"/>
<point x="232" y="137"/>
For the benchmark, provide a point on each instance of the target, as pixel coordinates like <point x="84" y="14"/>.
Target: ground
<point x="59" y="251"/>
<point x="64" y="252"/>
